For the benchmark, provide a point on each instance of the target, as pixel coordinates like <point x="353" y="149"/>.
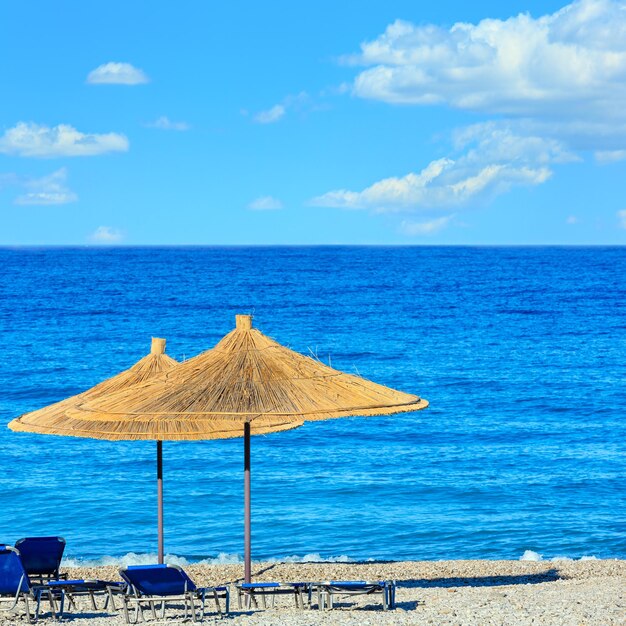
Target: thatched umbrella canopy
<point x="52" y="419"/>
<point x="56" y="418"/>
<point x="248" y="381"/>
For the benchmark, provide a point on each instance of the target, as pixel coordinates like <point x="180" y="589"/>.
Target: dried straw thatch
<point x="45" y="420"/>
<point x="246" y="377"/>
<point x="58" y="418"/>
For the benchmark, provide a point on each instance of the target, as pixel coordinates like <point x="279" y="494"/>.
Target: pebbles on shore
<point x="441" y="593"/>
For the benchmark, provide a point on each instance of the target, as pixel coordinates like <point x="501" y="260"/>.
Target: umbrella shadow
<point x="550" y="575"/>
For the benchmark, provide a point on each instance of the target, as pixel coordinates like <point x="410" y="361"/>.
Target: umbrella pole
<point x="246" y="502"/>
<point x="160" y="497"/>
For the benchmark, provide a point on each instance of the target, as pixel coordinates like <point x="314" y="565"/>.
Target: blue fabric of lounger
<point x="158" y="580"/>
<point x="13" y="577"/>
<point x="41" y="556"/>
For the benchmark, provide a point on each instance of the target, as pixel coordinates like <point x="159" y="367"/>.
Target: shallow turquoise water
<point x="521" y="352"/>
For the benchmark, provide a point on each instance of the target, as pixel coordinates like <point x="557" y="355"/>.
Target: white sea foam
<point x="132" y="558"/>
<point x="530" y="555"/>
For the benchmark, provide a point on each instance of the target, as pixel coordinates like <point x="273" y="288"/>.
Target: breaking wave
<point x="530" y="555"/>
<point x="132" y="558"/>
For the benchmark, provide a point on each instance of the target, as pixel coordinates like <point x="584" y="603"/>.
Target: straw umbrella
<point x="56" y="419"/>
<point x="247" y="381"/>
<point x="51" y="420"/>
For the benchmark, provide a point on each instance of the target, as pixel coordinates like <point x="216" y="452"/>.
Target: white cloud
<point x="33" y="140"/>
<point x="106" y="235"/>
<point x="610" y="156"/>
<point x="495" y="159"/>
<point x="563" y="74"/>
<point x="164" y="123"/>
<point x="621" y="215"/>
<point x="265" y="203"/>
<point x="48" y="190"/>
<point x="425" y="228"/>
<point x="271" y="115"/>
<point x="572" y="219"/>
<point x="521" y="65"/>
<point x="117" y="74"/>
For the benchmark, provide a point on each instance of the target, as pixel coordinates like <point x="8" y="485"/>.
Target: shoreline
<point x="473" y="593"/>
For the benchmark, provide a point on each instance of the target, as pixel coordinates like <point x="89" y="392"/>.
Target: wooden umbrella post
<point x="160" y="497"/>
<point x="246" y="503"/>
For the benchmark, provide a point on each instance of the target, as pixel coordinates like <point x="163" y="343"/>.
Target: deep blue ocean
<point x="520" y="351"/>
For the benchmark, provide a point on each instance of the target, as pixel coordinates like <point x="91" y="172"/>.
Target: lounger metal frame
<point x="89" y="587"/>
<point x="326" y="591"/>
<point x="250" y="591"/>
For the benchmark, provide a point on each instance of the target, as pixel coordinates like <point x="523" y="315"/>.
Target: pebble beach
<point x="480" y="593"/>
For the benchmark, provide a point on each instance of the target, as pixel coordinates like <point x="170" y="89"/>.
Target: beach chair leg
<point x="93" y="600"/>
<point x="217" y="603"/>
<point x="127" y="616"/>
<point x="62" y="604"/>
<point x="37" y="605"/>
<point x="152" y="609"/>
<point x="110" y="600"/>
<point x="321" y="597"/>
<point x="70" y="599"/>
<point x="192" y="607"/>
<point x="125" y="609"/>
<point x="30" y="619"/>
<point x="52" y="603"/>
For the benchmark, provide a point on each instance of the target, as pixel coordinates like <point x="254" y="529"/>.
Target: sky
<point x="246" y="122"/>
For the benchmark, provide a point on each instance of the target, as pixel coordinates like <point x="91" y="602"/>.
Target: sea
<point x="521" y="352"/>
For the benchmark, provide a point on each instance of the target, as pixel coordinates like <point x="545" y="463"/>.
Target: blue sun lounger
<point x="15" y="586"/>
<point x="250" y="591"/>
<point x="41" y="556"/>
<point x="88" y="587"/>
<point x="327" y="591"/>
<point x="151" y="584"/>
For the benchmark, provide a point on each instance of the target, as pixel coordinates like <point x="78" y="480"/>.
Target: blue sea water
<point x="520" y="351"/>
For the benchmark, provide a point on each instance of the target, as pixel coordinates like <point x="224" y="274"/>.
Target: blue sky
<point x="288" y="123"/>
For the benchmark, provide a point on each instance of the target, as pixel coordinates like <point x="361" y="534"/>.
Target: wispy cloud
<point x="164" y="123"/>
<point x="494" y="160"/>
<point x="425" y="228"/>
<point x="296" y="102"/>
<point x="117" y="74"/>
<point x="27" y="139"/>
<point x="48" y="190"/>
<point x="271" y="115"/>
<point x="572" y="219"/>
<point x="610" y="156"/>
<point x="265" y="203"/>
<point x="106" y="235"/>
<point x="621" y="216"/>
